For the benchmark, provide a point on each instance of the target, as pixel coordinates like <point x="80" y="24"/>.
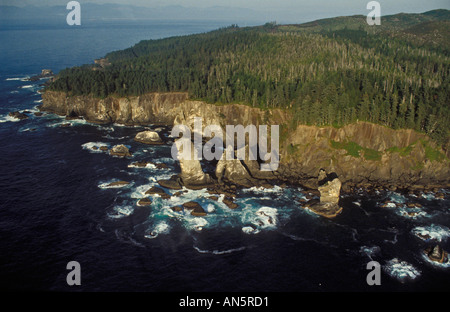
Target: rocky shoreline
<point x="363" y="155"/>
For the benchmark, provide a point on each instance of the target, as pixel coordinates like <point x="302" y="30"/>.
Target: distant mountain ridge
<point x="115" y="12"/>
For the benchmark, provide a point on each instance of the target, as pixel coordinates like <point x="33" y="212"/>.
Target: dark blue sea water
<point x="55" y="206"/>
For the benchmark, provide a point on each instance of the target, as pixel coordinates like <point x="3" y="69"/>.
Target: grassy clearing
<point x="356" y="150"/>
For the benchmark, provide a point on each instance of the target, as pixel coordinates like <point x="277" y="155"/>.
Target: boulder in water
<point x="155" y="190"/>
<point x="120" y="151"/>
<point x="148" y="137"/>
<point x="144" y="202"/>
<point x="437" y="254"/>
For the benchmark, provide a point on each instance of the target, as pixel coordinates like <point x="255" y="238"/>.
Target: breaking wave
<point x="401" y="270"/>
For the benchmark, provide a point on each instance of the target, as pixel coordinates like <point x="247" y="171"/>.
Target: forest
<point x="332" y="72"/>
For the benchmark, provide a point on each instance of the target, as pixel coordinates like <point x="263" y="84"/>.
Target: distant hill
<point x="427" y="28"/>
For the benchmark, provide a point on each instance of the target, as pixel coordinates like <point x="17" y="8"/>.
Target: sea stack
<point x="192" y="175"/>
<point x="329" y="188"/>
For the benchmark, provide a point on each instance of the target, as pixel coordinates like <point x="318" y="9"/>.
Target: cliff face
<point x="362" y="154"/>
<point x="156" y="108"/>
<point x="365" y="154"/>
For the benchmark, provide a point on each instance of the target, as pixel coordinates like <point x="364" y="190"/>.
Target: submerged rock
<point x="148" y="137"/>
<point x="18" y="115"/>
<point x="120" y="151"/>
<point x="118" y="184"/>
<point x="177" y="208"/>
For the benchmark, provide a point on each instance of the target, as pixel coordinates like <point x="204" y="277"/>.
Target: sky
<point x="274" y="9"/>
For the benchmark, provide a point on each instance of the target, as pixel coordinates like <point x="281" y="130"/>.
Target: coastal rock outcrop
<point x="362" y="154"/>
<point x="329" y="188"/>
<point x="45" y="73"/>
<point x="148" y="137"/>
<point x="232" y="170"/>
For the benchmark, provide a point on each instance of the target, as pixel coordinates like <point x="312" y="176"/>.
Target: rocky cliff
<point x="362" y="154"/>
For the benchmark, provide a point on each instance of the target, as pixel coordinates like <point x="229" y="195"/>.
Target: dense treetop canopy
<point x="328" y="72"/>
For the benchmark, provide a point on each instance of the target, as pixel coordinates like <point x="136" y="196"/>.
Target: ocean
<point x="56" y="205"/>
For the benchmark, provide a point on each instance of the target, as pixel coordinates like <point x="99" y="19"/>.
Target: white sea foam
<point x="90" y="146"/>
<point x="219" y="252"/>
<point x="196" y="223"/>
<point x="18" y="78"/>
<point x="263" y="190"/>
<point x="167" y="160"/>
<point x="147" y="166"/>
<point x="139" y="191"/>
<point x="107" y="185"/>
<point x="263" y="218"/>
<point x="160" y="228"/>
<point x="121" y="211"/>
<point x="27" y="129"/>
<point x="397" y="198"/>
<point x="401" y="270"/>
<point x="27" y="86"/>
<point x="413" y="213"/>
<point x="250" y="230"/>
<point x="268" y="216"/>
<point x="210" y="208"/>
<point x="7" y="118"/>
<point x="428" y="196"/>
<point x="432" y="232"/>
<point x="369" y="251"/>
